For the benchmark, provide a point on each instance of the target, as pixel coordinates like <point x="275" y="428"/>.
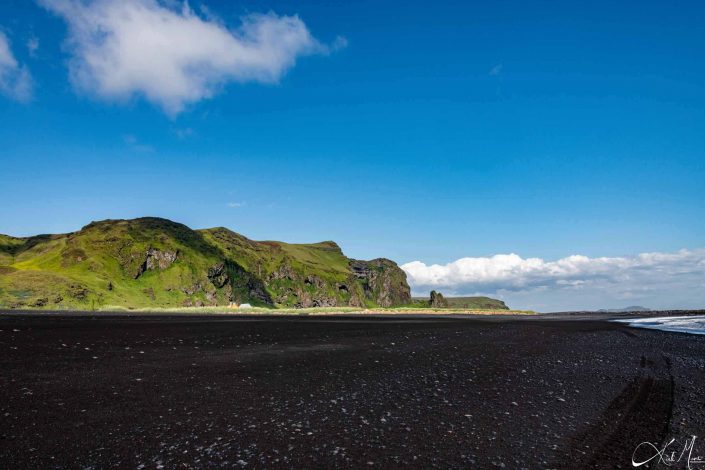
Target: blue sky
<point x="411" y="130"/>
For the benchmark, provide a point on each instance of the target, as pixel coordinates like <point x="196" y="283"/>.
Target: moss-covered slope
<point x="477" y="303"/>
<point x="152" y="262"/>
<point x="469" y="303"/>
<point x="314" y="275"/>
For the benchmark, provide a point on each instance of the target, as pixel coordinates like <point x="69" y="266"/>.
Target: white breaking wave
<point x="694" y="324"/>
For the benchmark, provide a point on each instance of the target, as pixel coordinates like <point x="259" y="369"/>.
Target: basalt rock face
<point x="152" y="262"/>
<point x="292" y="286"/>
<point x="437" y="300"/>
<point x="156" y="259"/>
<point x="383" y="282"/>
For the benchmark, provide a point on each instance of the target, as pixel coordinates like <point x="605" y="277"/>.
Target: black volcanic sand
<point x="312" y="392"/>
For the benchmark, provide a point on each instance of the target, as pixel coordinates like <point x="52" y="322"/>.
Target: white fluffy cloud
<point x="15" y="80"/>
<point x="173" y="56"/>
<point x="676" y="277"/>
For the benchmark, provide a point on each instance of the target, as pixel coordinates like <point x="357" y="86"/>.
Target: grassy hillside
<point x="469" y="303"/>
<point x="314" y="275"/>
<point x="152" y="262"/>
<point x="480" y="303"/>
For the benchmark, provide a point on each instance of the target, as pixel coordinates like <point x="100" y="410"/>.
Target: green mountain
<point x="153" y="262"/>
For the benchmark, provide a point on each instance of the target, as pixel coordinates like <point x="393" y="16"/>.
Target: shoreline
<point x="273" y="312"/>
<point x="353" y="311"/>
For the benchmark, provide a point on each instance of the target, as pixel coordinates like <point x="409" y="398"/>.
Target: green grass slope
<point x="476" y="303"/>
<point x="153" y="262"/>
<point x="468" y="303"/>
<point x="103" y="264"/>
<point x="312" y="275"/>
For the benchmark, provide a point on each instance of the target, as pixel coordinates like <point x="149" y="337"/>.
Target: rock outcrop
<point x="383" y="281"/>
<point x="437" y="300"/>
<point x="156" y="259"/>
<point x="378" y="282"/>
<point x="217" y="275"/>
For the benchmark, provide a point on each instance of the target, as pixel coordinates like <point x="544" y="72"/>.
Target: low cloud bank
<point x="659" y="279"/>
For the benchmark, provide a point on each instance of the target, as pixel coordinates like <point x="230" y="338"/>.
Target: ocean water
<point x="694" y="324"/>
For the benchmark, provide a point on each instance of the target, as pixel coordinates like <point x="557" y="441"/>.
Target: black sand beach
<point x="313" y="392"/>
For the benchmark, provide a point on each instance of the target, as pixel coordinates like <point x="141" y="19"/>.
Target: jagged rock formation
<point x="437" y="301"/>
<point x="156" y="259"/>
<point x="156" y="262"/>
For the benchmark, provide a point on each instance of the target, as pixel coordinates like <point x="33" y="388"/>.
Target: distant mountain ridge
<point x="470" y="303"/>
<point x="154" y="262"/>
<point x="635" y="308"/>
